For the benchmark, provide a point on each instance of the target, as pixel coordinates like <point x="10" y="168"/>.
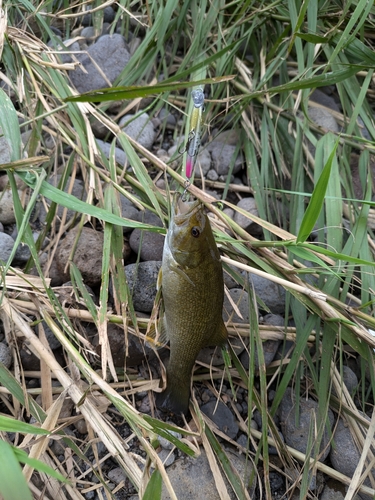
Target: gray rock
<point x="6" y="246"/>
<point x="273" y="320"/>
<point x="203" y="162"/>
<point x="324" y="99"/>
<point x="167" y="457"/>
<point x="270" y="293"/>
<point x="350" y="379"/>
<point x="87" y="255"/>
<point x="332" y="494"/>
<point x="344" y="453"/>
<point x="116" y="475"/>
<point x="1" y="227"/>
<point x="88" y="32"/>
<point x="140" y="129"/>
<point x="192" y="478"/>
<point x="5" y="355"/>
<point x="334" y="490"/>
<point x="213" y="355"/>
<point x="323" y="118"/>
<point x="297" y="436"/>
<point x="23" y="253"/>
<point x="50" y="336"/>
<point x="222" y="417"/>
<point x="110" y="54"/>
<point x="228" y="280"/>
<point x="74" y="48"/>
<point x="249" y="205"/>
<point x="241" y="298"/>
<point x="168" y="118"/>
<point x="108" y="16"/>
<point x="270" y="348"/>
<point x="149" y="244"/>
<point x="5" y="149"/>
<point x="133" y="346"/>
<point x="57" y="445"/>
<point x="165" y="443"/>
<point x="213" y="176"/>
<point x="142" y="280"/>
<point x="120" y="155"/>
<point x="223" y="158"/>
<point x="128" y="211"/>
<point x="7" y="215"/>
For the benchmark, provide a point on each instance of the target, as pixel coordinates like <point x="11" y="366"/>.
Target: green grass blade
<point x="8" y="424"/>
<point x="133" y="92"/>
<point x="317" y="199"/>
<point x="13" y="485"/>
<point x="154" y="487"/>
<point x="70" y="201"/>
<point x="38" y="465"/>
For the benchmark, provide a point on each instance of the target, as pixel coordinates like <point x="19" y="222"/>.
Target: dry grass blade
<point x="86" y="407"/>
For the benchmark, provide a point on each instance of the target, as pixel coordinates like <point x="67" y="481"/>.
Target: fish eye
<point x="195" y="232"/>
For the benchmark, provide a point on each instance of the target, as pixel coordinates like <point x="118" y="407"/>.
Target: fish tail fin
<point x="174" y="399"/>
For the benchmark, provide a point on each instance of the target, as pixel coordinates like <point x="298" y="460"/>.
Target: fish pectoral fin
<point x="157" y="336"/>
<point x="178" y="270"/>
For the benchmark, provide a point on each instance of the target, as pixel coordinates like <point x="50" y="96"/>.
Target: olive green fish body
<point x="193" y="294"/>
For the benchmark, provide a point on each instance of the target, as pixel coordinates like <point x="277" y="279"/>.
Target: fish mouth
<point x="184" y="209"/>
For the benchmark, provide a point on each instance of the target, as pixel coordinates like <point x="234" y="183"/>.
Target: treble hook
<point x="186" y="187"/>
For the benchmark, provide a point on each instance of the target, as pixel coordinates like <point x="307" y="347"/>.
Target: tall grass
<point x="279" y="53"/>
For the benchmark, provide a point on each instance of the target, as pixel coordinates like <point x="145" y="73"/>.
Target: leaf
<point x="328" y="78"/>
<point x="8" y="424"/>
<point x="10" y="126"/>
<point x="70" y="201"/>
<point x="154" y="486"/>
<point x="23" y="457"/>
<point x="13" y="485"/>
<point x="317" y="199"/>
<point x="132" y="92"/>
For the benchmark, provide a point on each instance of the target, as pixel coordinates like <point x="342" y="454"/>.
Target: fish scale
<point x="193" y="294"/>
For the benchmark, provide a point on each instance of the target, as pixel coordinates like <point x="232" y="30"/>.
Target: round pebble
<point x="222" y="417"/>
<point x="141" y="279"/>
<point x="6" y="246"/>
<point x="248" y="205"/>
<point x="148" y="243"/>
<point x="7" y="215"/>
<point x="140" y="129"/>
<point x="87" y="254"/>
<point x="5" y="355"/>
<point x="297" y="434"/>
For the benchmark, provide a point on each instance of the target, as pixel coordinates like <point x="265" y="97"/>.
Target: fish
<point x="192" y="289"/>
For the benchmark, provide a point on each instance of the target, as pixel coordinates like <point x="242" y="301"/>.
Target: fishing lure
<point x="194" y="137"/>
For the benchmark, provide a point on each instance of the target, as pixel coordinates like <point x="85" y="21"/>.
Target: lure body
<point x="194" y="137"/>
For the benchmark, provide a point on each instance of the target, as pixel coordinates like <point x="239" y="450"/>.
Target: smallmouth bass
<point x="192" y="288"/>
